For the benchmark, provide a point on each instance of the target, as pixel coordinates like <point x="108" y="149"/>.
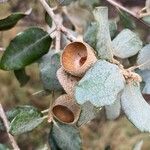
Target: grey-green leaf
<point x="143" y="57"/>
<point x="88" y="112"/>
<point x="64" y="137"/>
<point x="100" y="85"/>
<point x="90" y="36"/>
<point x="49" y="64"/>
<point x="145" y="74"/>
<point x="103" y="45"/>
<point x="135" y="107"/>
<point x="113" y="110"/>
<point x="146" y="19"/>
<point x="112" y="28"/>
<point x="26" y="48"/>
<point x="3" y="147"/>
<point x="26" y="120"/>
<point x="138" y="145"/>
<point x="126" y="44"/>
<point x="11" y="20"/>
<point x="21" y="76"/>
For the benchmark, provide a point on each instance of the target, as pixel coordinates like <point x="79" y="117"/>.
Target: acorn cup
<point x="77" y="58"/>
<point x="67" y="81"/>
<point x="65" y="110"/>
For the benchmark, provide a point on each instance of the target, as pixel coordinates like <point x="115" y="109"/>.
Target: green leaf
<point x="11" y="114"/>
<point x="54" y="3"/>
<point x="64" y="137"/>
<point x="126" y="44"/>
<point x="104" y="45"/>
<point x="26" y="120"/>
<point x="21" y="76"/>
<point x="88" y="3"/>
<point x="126" y="20"/>
<point x="25" y="48"/>
<point x="100" y="85"/>
<point x="143" y="57"/>
<point x="113" y="110"/>
<point x="3" y="147"/>
<point x="48" y="19"/>
<point x="49" y="64"/>
<point x="88" y="112"/>
<point x="65" y="2"/>
<point x="135" y="107"/>
<point x="10" y="21"/>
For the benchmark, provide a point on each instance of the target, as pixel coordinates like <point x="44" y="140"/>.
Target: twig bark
<point x="6" y="124"/>
<point x="117" y="5"/>
<point x="54" y="18"/>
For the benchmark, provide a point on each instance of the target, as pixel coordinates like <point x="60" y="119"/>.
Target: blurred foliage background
<point x="100" y="134"/>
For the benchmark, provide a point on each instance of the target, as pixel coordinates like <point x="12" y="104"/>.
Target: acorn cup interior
<point x="63" y="113"/>
<point x="77" y="57"/>
<point x="65" y="110"/>
<point x="76" y="52"/>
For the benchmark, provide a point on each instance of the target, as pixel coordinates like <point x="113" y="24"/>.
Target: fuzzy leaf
<point x="49" y="64"/>
<point x="104" y="45"/>
<point x="135" y="107"/>
<point x="10" y="21"/>
<point x="145" y="74"/>
<point x="90" y="36"/>
<point x="64" y="137"/>
<point x="113" y="110"/>
<point x="88" y="112"/>
<point x="126" y="44"/>
<point x="25" y="48"/>
<point x="100" y="85"/>
<point x="143" y="57"/>
<point x="21" y="76"/>
<point x="112" y="28"/>
<point x="26" y="120"/>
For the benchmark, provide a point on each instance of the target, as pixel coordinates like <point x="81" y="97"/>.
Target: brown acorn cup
<point x="66" y="110"/>
<point x="67" y="81"/>
<point x="77" y="58"/>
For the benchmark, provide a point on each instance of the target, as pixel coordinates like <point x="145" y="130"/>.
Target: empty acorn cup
<point x="67" y="81"/>
<point x="77" y="58"/>
<point x="66" y="110"/>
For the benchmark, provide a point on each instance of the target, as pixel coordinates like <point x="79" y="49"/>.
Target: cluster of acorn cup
<point x="76" y="59"/>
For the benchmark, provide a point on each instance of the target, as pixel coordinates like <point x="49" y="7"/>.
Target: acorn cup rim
<point x="86" y="47"/>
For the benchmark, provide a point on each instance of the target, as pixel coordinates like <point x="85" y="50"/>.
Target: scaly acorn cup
<point x="67" y="81"/>
<point x="77" y="58"/>
<point x="66" y="110"/>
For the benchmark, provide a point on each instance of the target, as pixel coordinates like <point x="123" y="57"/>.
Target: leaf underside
<point x="100" y="85"/>
<point x="135" y="107"/>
